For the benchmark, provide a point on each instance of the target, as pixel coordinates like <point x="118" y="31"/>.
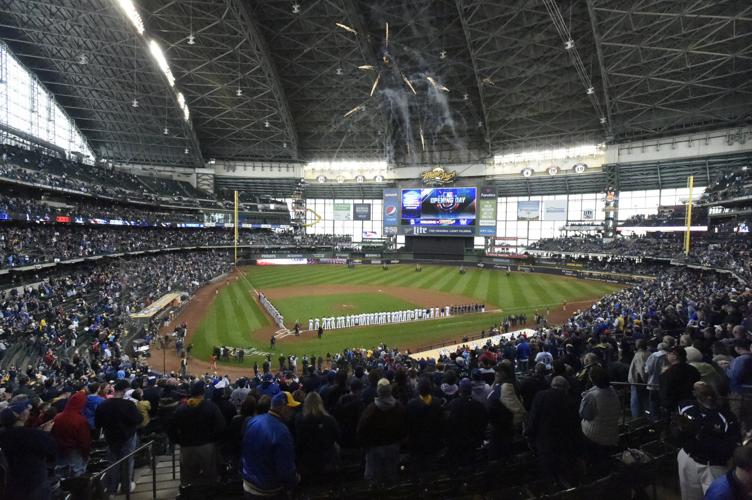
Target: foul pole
<point x="237" y="224"/>
<point x="687" y="232"/>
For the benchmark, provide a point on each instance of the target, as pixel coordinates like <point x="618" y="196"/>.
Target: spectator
<point x="347" y="411"/>
<point x="554" y="429"/>
<point x="736" y="484"/>
<point x="424" y="421"/>
<point x="28" y="452"/>
<point x="708" y="435"/>
<point x="119" y="418"/>
<point x="316" y="438"/>
<point x="677" y="381"/>
<point x="740" y="378"/>
<point x="196" y="426"/>
<point x="381" y="429"/>
<point x="465" y="426"/>
<point x="268" y="459"/>
<point x="600" y="410"/>
<point x="638" y="393"/>
<point x="73" y="436"/>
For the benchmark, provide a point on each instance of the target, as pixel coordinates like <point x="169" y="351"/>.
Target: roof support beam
<point x="602" y="65"/>
<point x="253" y="36"/>
<point x="473" y="60"/>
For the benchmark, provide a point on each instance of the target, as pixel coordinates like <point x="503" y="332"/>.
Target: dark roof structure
<point x="412" y="81"/>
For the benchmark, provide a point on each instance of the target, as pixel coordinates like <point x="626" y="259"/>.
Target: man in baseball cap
<point x="268" y="457"/>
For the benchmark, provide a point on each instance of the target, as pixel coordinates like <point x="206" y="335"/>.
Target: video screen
<point x="439" y="206"/>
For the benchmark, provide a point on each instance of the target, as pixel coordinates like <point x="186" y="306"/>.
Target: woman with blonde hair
<point x="316" y="438"/>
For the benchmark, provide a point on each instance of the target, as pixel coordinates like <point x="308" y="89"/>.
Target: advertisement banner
<point x="391" y="209"/>
<point x="439" y="231"/>
<point x="487" y="211"/>
<point x="361" y="211"/>
<point x="555" y="210"/>
<point x="370" y="235"/>
<point x="342" y="211"/>
<point x="528" y="210"/>
<point x="588" y="214"/>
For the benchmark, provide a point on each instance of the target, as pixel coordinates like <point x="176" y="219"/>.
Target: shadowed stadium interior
<point x="303" y="249"/>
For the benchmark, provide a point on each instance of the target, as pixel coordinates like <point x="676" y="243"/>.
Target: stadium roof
<point x="280" y="80"/>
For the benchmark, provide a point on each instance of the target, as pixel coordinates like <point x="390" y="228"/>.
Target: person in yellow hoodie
<point x="144" y="406"/>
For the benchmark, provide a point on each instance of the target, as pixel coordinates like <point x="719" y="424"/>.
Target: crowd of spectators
<point x="668" y="216"/>
<point x="732" y="185"/>
<point x="731" y="252"/>
<point x="30" y="244"/>
<point x="684" y="337"/>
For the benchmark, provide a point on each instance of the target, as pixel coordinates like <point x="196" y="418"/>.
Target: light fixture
<point x="267" y="124"/>
<point x="82" y="59"/>
<point x="134" y="103"/>
<point x="284" y="145"/>
<point x="569" y="44"/>
<point x="166" y="131"/>
<point x="442" y="54"/>
<point x="156" y="52"/>
<point x="603" y="120"/>
<point x="239" y="92"/>
<point x="466" y="97"/>
<point x="212" y="161"/>
<point x="186" y="151"/>
<point x="295" y="8"/>
<point x="191" y="39"/>
<point x="338" y="70"/>
<point x="132" y="13"/>
<point x="590" y="90"/>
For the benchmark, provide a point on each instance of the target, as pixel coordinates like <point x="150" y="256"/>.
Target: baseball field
<point x="231" y="315"/>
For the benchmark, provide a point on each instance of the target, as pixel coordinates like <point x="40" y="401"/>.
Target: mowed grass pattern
<point x="234" y="314"/>
<point x="339" y="304"/>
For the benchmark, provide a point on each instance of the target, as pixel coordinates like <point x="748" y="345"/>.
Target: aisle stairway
<point x="167" y="487"/>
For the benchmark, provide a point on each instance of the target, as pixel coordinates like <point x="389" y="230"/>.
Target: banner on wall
<point x="391" y="209"/>
<point x="528" y="210"/>
<point x="342" y="212"/>
<point x="361" y="211"/>
<point x="588" y="214"/>
<point x="367" y="235"/>
<point x="555" y="210"/>
<point x="487" y="211"/>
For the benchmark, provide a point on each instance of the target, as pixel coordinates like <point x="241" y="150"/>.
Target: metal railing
<point x="125" y="477"/>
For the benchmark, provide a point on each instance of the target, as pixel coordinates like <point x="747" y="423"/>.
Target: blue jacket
<point x="740" y="372"/>
<point x="725" y="487"/>
<point x="268" y="457"/>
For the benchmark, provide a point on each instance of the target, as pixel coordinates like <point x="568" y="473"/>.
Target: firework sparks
<point x="357" y="108"/>
<point x="375" y="84"/>
<point x="410" y="85"/>
<point x="436" y="84"/>
<point x="346" y="28"/>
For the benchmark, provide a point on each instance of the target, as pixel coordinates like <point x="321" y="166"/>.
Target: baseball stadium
<point x="386" y="249"/>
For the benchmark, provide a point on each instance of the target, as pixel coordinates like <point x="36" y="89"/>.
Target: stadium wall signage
<point x="438" y="177"/>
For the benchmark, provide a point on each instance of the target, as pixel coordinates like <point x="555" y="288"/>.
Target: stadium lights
<point x="267" y="124"/>
<point x="569" y="44"/>
<point x="296" y="8"/>
<point x="186" y="151"/>
<point x="132" y="13"/>
<point x="603" y="120"/>
<point x="239" y="92"/>
<point x="590" y="90"/>
<point x="191" y="39"/>
<point x="134" y="103"/>
<point x="166" y="131"/>
<point x="156" y="52"/>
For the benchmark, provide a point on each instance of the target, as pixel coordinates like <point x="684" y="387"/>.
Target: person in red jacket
<point x="73" y="437"/>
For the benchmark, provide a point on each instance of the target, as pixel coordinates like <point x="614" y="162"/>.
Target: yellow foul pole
<point x="690" y="185"/>
<point x="237" y="224"/>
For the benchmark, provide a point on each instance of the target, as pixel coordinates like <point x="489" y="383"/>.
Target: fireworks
<point x="410" y="85"/>
<point x="375" y="84"/>
<point x="346" y="28"/>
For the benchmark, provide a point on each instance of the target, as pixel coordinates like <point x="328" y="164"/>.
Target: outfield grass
<point x="234" y="315"/>
<point x="339" y="304"/>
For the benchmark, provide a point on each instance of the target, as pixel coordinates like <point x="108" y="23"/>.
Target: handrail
<point x="127" y="482"/>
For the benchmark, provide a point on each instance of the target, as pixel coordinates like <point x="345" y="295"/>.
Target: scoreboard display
<point x="443" y="207"/>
